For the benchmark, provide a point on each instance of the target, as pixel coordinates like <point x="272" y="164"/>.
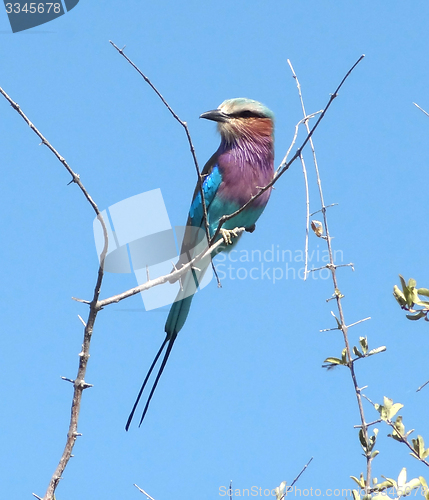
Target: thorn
<point x="68" y="380"/>
<point x="81" y="300"/>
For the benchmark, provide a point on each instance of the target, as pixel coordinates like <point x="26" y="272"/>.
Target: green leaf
<point x="333" y="361"/>
<point x="388" y="410"/>
<point x="362" y="440"/>
<point x="388" y="483"/>
<point x="360" y="482"/>
<point x="412" y="485"/>
<point x="419" y="448"/>
<point x="280" y="490"/>
<point x="403" y="284"/>
<point x="372" y="440"/>
<point x="425" y="488"/>
<point x="423" y="291"/>
<point x="409" y="291"/>
<point x="355" y="494"/>
<point x="399" y="429"/>
<point x="415" y="317"/>
<point x="337" y="320"/>
<point x="399" y="296"/>
<point x="423" y="303"/>
<point x="377" y="350"/>
<point x="357" y="352"/>
<point x="402" y="478"/>
<point x="412" y="283"/>
<point x="363" y="341"/>
<point x="344" y="356"/>
<point x="374" y="453"/>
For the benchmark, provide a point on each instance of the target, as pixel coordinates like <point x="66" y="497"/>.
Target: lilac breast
<point x="246" y="166"/>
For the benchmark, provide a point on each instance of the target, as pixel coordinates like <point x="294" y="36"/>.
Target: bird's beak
<point x="216" y="115"/>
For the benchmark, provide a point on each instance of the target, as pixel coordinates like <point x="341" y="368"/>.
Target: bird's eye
<point x="247" y="114"/>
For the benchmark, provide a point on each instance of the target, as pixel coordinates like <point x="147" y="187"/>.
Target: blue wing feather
<point x="210" y="186"/>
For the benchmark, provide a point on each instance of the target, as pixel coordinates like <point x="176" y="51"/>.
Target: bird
<point x="241" y="166"/>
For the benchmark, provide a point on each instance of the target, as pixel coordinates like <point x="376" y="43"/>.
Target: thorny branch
<point x="333" y="268"/>
<point x="79" y="383"/>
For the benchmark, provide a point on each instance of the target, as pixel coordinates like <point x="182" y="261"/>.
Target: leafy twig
<point x="341" y="324"/>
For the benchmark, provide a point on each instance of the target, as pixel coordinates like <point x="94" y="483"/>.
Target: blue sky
<point x="244" y="396"/>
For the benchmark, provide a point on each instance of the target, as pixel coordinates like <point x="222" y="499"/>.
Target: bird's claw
<point x="226" y="235"/>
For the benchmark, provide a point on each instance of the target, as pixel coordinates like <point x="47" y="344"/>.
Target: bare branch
<point x="368" y="425"/>
<point x="421" y="387"/>
<point x="144" y="492"/>
<point x="288" y="489"/>
<point x="307" y="215"/>
<point x="360" y="321"/>
<point x="421" y="109"/>
<point x="302" y="471"/>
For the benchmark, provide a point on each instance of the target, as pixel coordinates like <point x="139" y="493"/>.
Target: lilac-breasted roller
<point x="243" y="163"/>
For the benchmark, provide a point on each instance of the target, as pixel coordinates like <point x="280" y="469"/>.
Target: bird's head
<point x="242" y="118"/>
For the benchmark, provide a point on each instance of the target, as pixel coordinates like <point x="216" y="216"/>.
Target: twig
<point x="330" y="267"/>
<point x="321" y="209"/>
<point x="421" y="387"/>
<point x="79" y="383"/>
<point x="284" y="165"/>
<point x="307" y="215"/>
<point x="421" y="109"/>
<point x="188" y="136"/>
<point x="83" y="301"/>
<point x="402" y="439"/>
<point x="302" y="471"/>
<point x="368" y="425"/>
<point x="82" y="321"/>
<point x="144" y="492"/>
<point x="295" y="135"/>
<point x="366" y="397"/>
<point x="360" y="321"/>
<point x="288" y="489"/>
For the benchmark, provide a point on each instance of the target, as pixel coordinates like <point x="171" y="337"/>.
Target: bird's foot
<point x="226" y="235"/>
